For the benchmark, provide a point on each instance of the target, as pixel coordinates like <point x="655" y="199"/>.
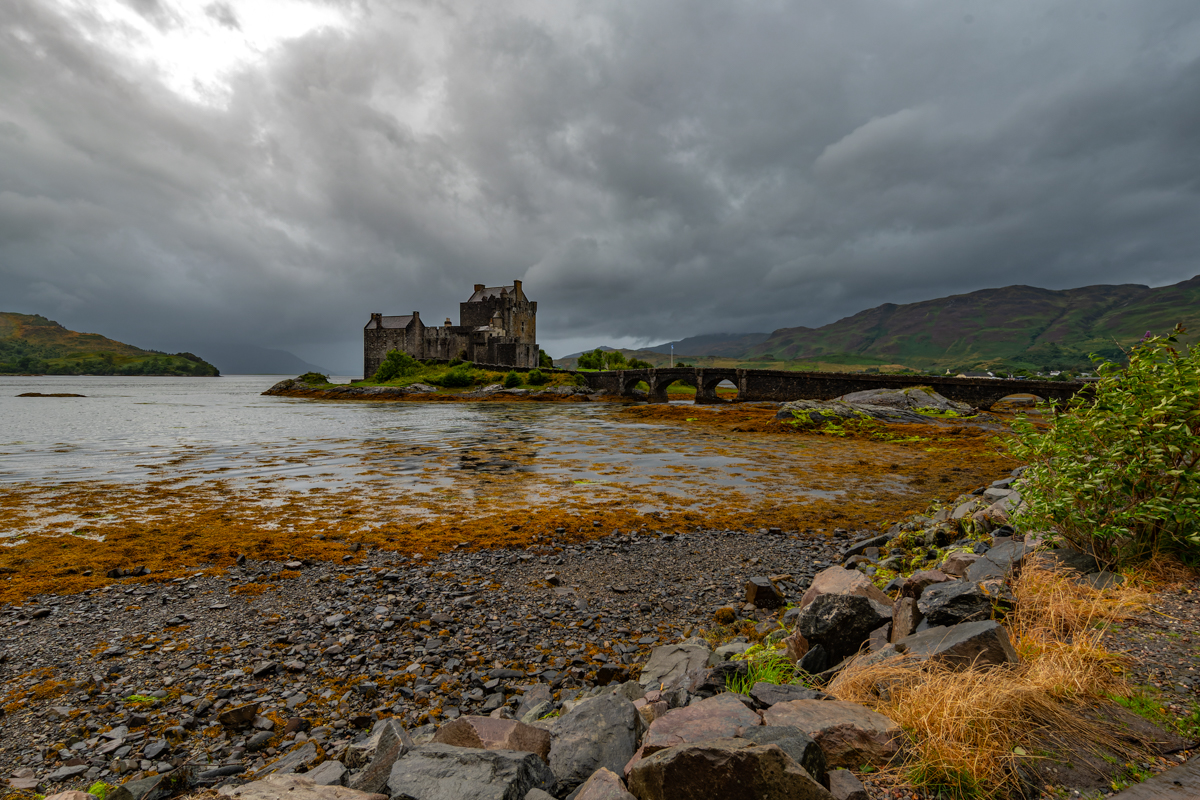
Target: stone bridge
<point x="783" y="385"/>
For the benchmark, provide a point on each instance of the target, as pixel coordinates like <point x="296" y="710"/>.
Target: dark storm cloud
<point x="651" y="170"/>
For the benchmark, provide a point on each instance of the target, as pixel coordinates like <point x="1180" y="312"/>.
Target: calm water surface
<point x="192" y="429"/>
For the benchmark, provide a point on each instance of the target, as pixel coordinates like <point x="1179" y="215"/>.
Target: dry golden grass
<point x="970" y="730"/>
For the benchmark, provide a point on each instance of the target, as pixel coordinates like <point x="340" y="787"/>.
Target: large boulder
<point x="799" y="746"/>
<point x="443" y="772"/>
<point x="723" y="769"/>
<point x="970" y="644"/>
<point x="917" y="398"/>
<point x="599" y="733"/>
<point x="294" y="787"/>
<point x="387" y="743"/>
<point x="818" y="412"/>
<point x="842" y="623"/>
<point x="720" y="717"/>
<point x="672" y="665"/>
<point x="960" y="601"/>
<point x="915" y="584"/>
<point x="839" y="580"/>
<point x="849" y="734"/>
<point x="495" y="734"/>
<point x="603" y="785"/>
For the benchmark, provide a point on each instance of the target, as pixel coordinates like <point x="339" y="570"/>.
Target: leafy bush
<point x="462" y="375"/>
<point x="544" y="360"/>
<point x="537" y="378"/>
<point x="1116" y="473"/>
<point x="397" y="365"/>
<point x="512" y="380"/>
<point x="313" y="378"/>
<point x="637" y="363"/>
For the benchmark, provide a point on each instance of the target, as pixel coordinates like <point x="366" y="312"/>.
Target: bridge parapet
<point x="784" y="385"/>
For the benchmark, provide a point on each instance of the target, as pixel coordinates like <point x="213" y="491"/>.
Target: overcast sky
<point x="272" y="171"/>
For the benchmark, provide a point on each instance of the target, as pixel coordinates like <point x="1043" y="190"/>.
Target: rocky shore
<point x="569" y="669"/>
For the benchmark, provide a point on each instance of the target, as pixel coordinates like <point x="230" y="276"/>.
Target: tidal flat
<point x="178" y="477"/>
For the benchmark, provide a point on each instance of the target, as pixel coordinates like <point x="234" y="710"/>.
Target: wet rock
<point x="838" y="581"/>
<point x="66" y="773"/>
<point x="601" y="732"/>
<point x="762" y="593"/>
<point x="603" y="785"/>
<point x="849" y="734"/>
<point x="982" y="643"/>
<point x="670" y="666"/>
<point x="720" y="717"/>
<point x="862" y="545"/>
<point x="294" y="787"/>
<point x="442" y="772"/>
<point x="842" y="623"/>
<point x="960" y="601"/>
<point x="723" y="769"/>
<point x="495" y="734"/>
<point x="815" y="660"/>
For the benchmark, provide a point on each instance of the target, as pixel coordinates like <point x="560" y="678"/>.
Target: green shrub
<point x="537" y="378"/>
<point x="313" y="378"/>
<point x="397" y="365"/>
<point x="1115" y="474"/>
<point x="512" y="380"/>
<point x="544" y="360"/>
<point x="462" y="375"/>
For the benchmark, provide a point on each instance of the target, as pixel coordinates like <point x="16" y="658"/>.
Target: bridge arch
<point x="659" y="387"/>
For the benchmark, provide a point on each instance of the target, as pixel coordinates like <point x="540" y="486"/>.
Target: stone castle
<point x="497" y="326"/>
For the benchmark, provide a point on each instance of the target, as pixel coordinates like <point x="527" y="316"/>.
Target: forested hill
<point x="30" y="343"/>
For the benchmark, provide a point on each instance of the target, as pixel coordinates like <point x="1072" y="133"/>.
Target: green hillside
<point x="30" y="343"/>
<point x="1017" y="327"/>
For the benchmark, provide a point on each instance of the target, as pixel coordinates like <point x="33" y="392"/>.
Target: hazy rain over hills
<point x="269" y="173"/>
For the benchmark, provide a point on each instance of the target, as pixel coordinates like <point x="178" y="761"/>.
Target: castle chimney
<point x="416" y="316"/>
<point x="479" y="287"/>
<point x="448" y="323"/>
<point x="517" y="288"/>
<point x="377" y="319"/>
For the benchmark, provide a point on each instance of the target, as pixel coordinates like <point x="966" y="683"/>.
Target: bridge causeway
<point x="784" y="385"/>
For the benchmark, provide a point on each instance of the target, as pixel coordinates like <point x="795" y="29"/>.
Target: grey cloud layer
<point x="650" y="169"/>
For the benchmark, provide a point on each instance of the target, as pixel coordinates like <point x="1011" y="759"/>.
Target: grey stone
<point x="443" y="772"/>
<point x="670" y="666"/>
<point x="304" y="755"/>
<point x="815" y="660"/>
<point x="905" y="618"/>
<point x="387" y="743"/>
<point x="293" y="787"/>
<point x="842" y="623"/>
<point x="1000" y="561"/>
<point x="66" y="773"/>
<point x="960" y="601"/>
<point x="534" y="696"/>
<point x="768" y="694"/>
<point x="843" y="785"/>
<point x="969" y="644"/>
<point x="859" y="548"/>
<point x="799" y="746"/>
<point x="538" y="794"/>
<point x="600" y="732"/>
<point x="328" y="773"/>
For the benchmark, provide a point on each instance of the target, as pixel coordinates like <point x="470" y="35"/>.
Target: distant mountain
<point x="247" y="359"/>
<point x="1016" y="327"/>
<point x="30" y="343"/>
<point x="732" y="345"/>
